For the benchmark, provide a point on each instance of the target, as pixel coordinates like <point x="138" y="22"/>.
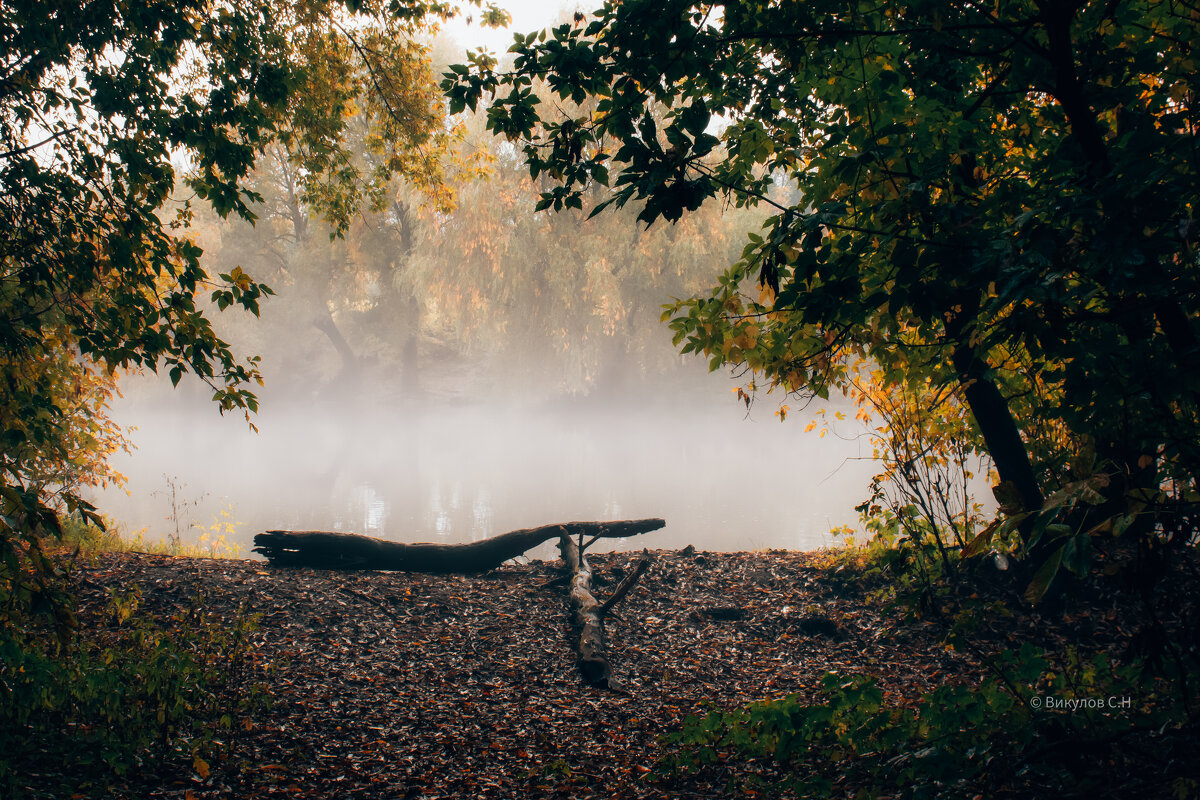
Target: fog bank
<point x="722" y="479"/>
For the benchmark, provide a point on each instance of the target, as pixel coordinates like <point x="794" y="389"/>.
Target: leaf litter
<point x="401" y="685"/>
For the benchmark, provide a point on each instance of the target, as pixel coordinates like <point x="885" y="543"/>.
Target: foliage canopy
<point x="1000" y="199"/>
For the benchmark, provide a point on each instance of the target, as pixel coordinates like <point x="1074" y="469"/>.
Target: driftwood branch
<point x="585" y="614"/>
<point x="328" y="550"/>
<point x="624" y="586"/>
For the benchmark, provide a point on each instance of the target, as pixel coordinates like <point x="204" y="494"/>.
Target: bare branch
<point x="625" y="585"/>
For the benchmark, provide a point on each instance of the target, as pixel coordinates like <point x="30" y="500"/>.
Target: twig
<point x="20" y="151"/>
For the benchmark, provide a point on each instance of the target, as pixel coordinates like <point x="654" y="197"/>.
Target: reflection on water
<point x="722" y="482"/>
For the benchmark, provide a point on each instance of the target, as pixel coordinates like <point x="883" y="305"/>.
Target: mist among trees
<point x="966" y="231"/>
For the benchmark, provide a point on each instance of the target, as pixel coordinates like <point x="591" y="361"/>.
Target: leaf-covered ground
<point x="392" y="685"/>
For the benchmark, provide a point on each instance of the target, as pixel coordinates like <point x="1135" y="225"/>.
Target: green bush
<point x="111" y="700"/>
<point x="1024" y="730"/>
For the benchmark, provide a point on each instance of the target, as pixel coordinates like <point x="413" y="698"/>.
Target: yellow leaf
<point x="201" y="767"/>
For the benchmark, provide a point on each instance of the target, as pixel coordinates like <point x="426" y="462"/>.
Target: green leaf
<point x="1045" y="575"/>
<point x="980" y="543"/>
<point x="1009" y="497"/>
<point x="1077" y="554"/>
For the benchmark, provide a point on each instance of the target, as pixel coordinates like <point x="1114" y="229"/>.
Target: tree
<point x="98" y="103"/>
<point x="559" y="299"/>
<point x="384" y="124"/>
<point x="546" y="299"/>
<point x="343" y="201"/>
<point x="996" y="198"/>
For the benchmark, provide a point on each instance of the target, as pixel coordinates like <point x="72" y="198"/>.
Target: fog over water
<point x="448" y="375"/>
<point x="722" y="479"/>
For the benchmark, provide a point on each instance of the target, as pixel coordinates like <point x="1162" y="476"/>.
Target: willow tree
<point x="1000" y="198"/>
<point x="360" y="143"/>
<point x="560" y="299"/>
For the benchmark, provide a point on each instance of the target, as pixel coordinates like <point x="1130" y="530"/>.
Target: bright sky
<point x="527" y="16"/>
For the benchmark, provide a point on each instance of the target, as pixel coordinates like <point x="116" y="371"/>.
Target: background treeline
<point x="473" y="294"/>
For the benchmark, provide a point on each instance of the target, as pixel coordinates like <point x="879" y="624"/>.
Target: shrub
<point x="110" y="700"/>
<point x="1027" y="731"/>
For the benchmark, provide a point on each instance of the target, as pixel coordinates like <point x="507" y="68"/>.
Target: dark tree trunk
<point x="988" y="406"/>
<point x="326" y="550"/>
<point x="327" y="326"/>
<point x="999" y="429"/>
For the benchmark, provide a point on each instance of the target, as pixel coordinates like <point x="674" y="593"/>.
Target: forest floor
<point x="395" y="685"/>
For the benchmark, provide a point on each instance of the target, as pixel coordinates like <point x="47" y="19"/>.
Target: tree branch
<point x="625" y="585"/>
<point x="20" y="151"/>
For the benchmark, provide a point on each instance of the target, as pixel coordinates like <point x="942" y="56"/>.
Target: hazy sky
<point x="527" y="15"/>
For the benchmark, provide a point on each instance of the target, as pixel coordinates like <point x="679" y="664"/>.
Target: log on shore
<point x="329" y="550"/>
<point x="585" y="614"/>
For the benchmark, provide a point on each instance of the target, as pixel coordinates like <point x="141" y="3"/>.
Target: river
<point x="722" y="479"/>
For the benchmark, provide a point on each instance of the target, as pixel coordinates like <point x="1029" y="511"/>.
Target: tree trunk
<point x="349" y="371"/>
<point x="999" y="429"/>
<point x="410" y="358"/>
<point x="326" y="550"/>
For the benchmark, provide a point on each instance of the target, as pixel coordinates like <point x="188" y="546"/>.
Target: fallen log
<point x="329" y="550"/>
<point x="587" y="614"/>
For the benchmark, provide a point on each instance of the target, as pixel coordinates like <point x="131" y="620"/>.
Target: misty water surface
<point x="722" y="481"/>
